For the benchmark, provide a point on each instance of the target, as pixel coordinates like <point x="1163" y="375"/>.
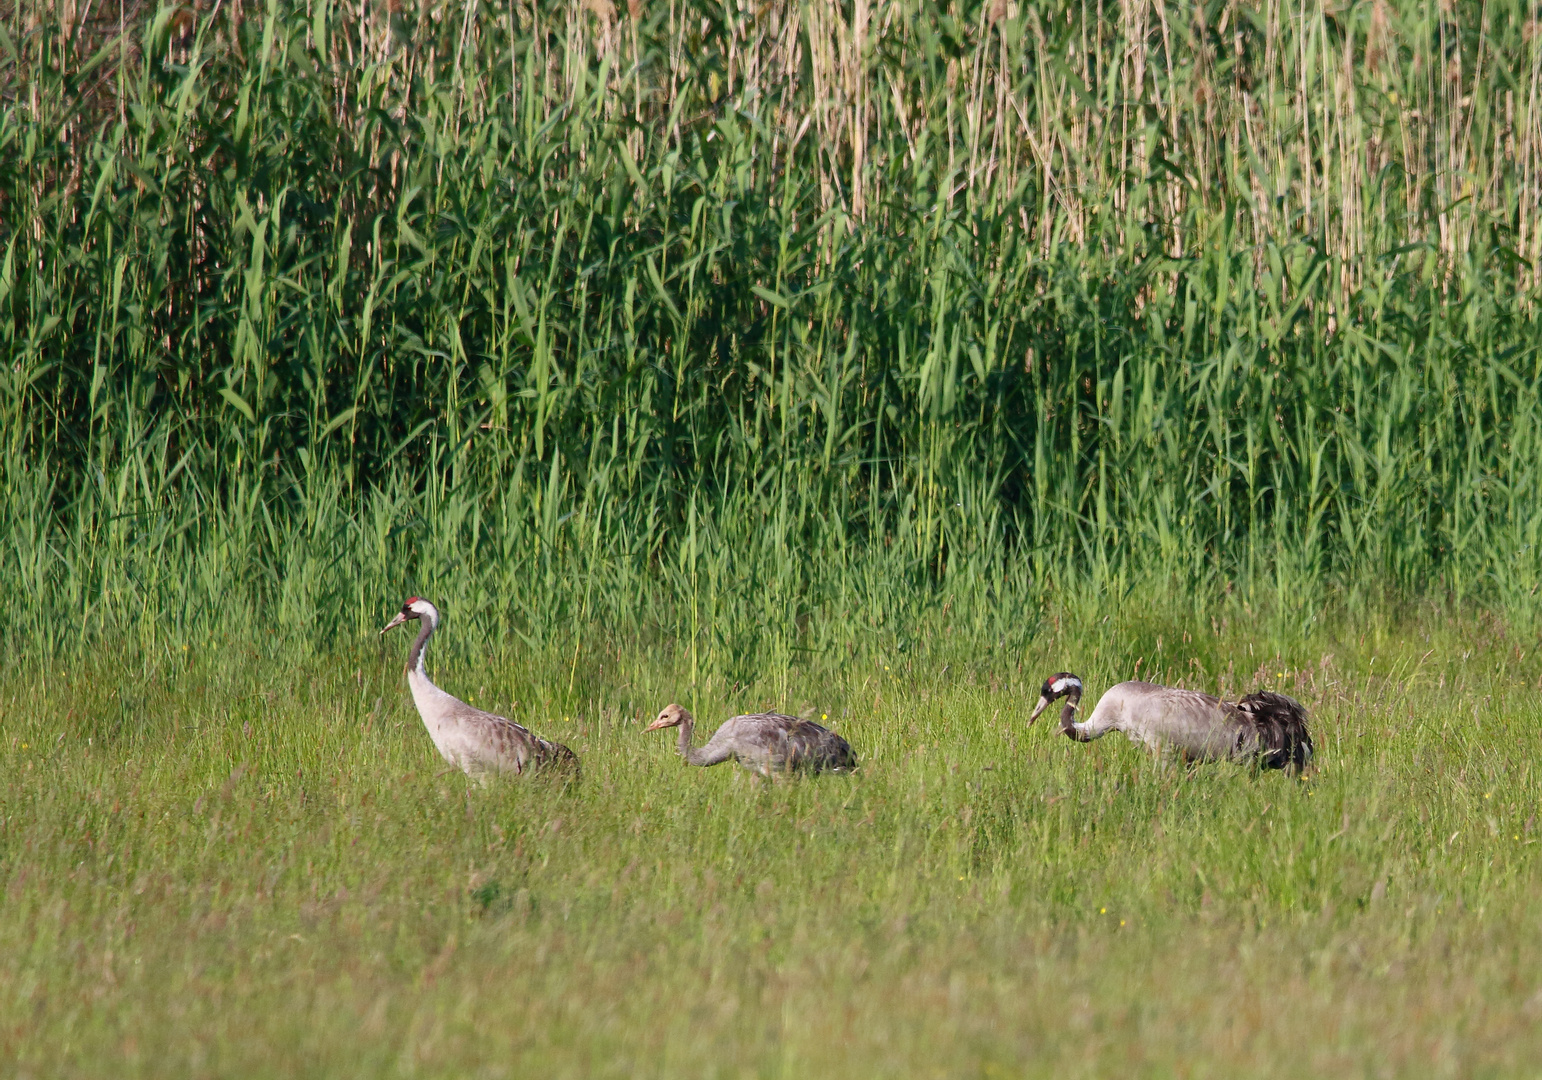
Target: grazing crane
<point x="478" y="743"/>
<point x="1264" y="726"/>
<point x="763" y="742"/>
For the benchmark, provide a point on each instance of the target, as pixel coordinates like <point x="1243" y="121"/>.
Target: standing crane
<point x="763" y="742"/>
<point x="476" y="742"/>
<point x="1264" y="726"/>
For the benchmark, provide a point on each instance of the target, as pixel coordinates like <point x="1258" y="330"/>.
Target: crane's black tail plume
<point x="562" y="761"/>
<point x="812" y="747"/>
<point x="1283" y="741"/>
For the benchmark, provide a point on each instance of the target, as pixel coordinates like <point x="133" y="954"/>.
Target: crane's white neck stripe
<point x="1060" y="686"/>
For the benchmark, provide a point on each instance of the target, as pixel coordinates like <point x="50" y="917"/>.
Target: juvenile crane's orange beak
<point x="661" y="722"/>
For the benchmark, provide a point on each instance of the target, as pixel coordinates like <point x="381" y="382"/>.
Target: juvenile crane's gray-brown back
<point x="1264" y="726"/>
<point x="478" y="743"/>
<point x="764" y="742"/>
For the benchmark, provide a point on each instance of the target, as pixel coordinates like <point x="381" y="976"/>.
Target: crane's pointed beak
<point x="1039" y="708"/>
<point x="661" y="722"/>
<point x="401" y="617"/>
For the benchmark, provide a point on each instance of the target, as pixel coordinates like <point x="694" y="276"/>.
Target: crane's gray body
<point x="1197" y="726"/>
<point x="765" y="743"/>
<point x="1264" y="726"/>
<point x="480" y="744"/>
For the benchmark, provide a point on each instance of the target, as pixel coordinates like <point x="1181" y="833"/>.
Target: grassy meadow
<point x="866" y="359"/>
<point x="266" y="871"/>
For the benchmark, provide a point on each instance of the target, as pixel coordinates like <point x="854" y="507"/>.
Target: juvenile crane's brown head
<point x="669" y="716"/>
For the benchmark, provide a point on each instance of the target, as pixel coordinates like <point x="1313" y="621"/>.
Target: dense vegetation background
<point x="760" y="322"/>
<point x="866" y="360"/>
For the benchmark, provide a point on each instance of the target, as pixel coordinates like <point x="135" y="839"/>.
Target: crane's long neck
<point x="692" y="755"/>
<point x="436" y="707"/>
<point x="1068" y="714"/>
<point x="415" y="654"/>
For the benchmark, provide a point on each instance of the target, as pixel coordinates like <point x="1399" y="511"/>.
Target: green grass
<point x="249" y="861"/>
<point x="874" y="359"/>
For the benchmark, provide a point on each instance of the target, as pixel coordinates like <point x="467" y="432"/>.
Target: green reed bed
<point x="802" y="307"/>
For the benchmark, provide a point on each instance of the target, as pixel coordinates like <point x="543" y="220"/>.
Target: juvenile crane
<point x="481" y="744"/>
<point x="1264" y="726"/>
<point x="763" y="742"/>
